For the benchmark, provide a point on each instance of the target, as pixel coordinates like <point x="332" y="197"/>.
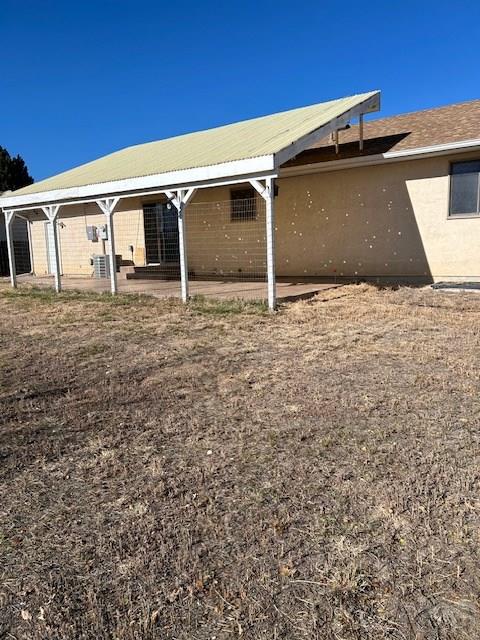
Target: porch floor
<point x="286" y="289"/>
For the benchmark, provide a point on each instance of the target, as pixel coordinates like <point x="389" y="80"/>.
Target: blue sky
<point x="81" y="79"/>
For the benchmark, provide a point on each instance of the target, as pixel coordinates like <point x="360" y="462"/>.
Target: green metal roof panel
<point x="258" y="137"/>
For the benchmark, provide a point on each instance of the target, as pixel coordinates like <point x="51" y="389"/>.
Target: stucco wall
<point x="218" y="245"/>
<point x="380" y="221"/>
<point x="75" y="248"/>
<point x="215" y="244"/>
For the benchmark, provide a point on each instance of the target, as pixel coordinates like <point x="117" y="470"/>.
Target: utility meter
<point x="92" y="233"/>
<point x="103" y="232"/>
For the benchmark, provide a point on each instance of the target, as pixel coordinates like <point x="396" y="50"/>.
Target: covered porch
<point x="221" y="248"/>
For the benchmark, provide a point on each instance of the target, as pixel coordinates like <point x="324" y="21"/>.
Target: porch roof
<point x="258" y="146"/>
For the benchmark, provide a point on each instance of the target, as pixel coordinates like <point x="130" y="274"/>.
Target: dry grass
<point x="216" y="472"/>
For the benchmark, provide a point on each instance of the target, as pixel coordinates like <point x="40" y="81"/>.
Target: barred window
<point x="465" y="188"/>
<point x="244" y="205"/>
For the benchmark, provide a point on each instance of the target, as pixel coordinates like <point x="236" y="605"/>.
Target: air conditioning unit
<point x="101" y="266"/>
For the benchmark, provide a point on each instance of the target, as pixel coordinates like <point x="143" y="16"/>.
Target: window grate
<point x="244" y="205"/>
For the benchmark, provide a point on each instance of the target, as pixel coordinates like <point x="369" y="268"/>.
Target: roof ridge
<point x="244" y="121"/>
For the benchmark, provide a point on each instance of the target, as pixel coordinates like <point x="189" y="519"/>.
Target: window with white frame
<point x="465" y="189"/>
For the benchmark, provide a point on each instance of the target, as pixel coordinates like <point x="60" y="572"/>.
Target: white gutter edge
<point x="449" y="146"/>
<point x="381" y="158"/>
<point x="173" y="179"/>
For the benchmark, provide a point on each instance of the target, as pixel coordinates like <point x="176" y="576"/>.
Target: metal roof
<point x="264" y="136"/>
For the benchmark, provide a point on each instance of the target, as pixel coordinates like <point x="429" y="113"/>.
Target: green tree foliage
<point x="13" y="172"/>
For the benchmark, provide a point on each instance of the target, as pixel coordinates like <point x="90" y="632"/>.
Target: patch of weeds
<point x="4" y="541"/>
<point x="130" y="300"/>
<point x="136" y="331"/>
<point x="210" y="306"/>
<point x="27" y="297"/>
<point x="106" y="316"/>
<point x="50" y="296"/>
<point x="90" y="350"/>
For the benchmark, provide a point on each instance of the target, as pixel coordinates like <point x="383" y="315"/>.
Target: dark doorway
<point x="161" y="233"/>
<point x="21" y="248"/>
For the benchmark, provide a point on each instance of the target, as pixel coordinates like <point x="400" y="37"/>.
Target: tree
<point x="13" y="172"/>
<point x="14" y="175"/>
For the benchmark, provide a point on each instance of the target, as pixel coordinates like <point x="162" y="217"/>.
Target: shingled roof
<point x="418" y="129"/>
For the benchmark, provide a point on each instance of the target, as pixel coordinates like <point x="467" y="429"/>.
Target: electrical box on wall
<point x="102" y="232"/>
<point x="92" y="233"/>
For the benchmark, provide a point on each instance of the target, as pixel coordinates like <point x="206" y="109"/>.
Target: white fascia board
<point x="436" y="148"/>
<point x="369" y="105"/>
<point x="25" y="209"/>
<point x="382" y="158"/>
<point x="185" y="179"/>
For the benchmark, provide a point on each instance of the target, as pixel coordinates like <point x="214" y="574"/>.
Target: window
<point x="465" y="189"/>
<point x="244" y="204"/>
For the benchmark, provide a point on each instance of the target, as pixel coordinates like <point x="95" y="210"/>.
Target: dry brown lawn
<point x="216" y="472"/>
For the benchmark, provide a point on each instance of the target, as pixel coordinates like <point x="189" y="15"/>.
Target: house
<point x="316" y="192"/>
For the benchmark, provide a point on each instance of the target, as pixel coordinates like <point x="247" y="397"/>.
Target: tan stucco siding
<point x="382" y="220"/>
<point x="75" y="248"/>
<point x="218" y="245"/>
<point x="215" y="244"/>
<point x="357" y="222"/>
<point x="387" y="220"/>
<point x="39" y="248"/>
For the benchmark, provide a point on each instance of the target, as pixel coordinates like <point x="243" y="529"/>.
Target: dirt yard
<point x="216" y="472"/>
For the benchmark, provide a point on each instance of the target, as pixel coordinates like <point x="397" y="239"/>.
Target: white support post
<point x="268" y="194"/>
<point x="9" y="218"/>
<point x="30" y="247"/>
<point x="180" y="201"/>
<point x="182" y="239"/>
<point x="270" y="223"/>
<point x="51" y="211"/>
<point x="107" y="206"/>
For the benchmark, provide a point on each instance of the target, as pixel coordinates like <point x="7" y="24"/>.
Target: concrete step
<point x="172" y="272"/>
<point x="158" y="275"/>
<point x="124" y="270"/>
<point x="158" y="267"/>
<point x="155" y="272"/>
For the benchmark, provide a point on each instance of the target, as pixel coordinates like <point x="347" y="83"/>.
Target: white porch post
<point x="270" y="223"/>
<point x="182" y="239"/>
<point x="30" y="246"/>
<point x="9" y="218"/>
<point x="268" y="194"/>
<point x="51" y="211"/>
<point x="107" y="206"/>
<point x="180" y="201"/>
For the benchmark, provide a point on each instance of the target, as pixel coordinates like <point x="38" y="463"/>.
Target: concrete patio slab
<point x="286" y="290"/>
